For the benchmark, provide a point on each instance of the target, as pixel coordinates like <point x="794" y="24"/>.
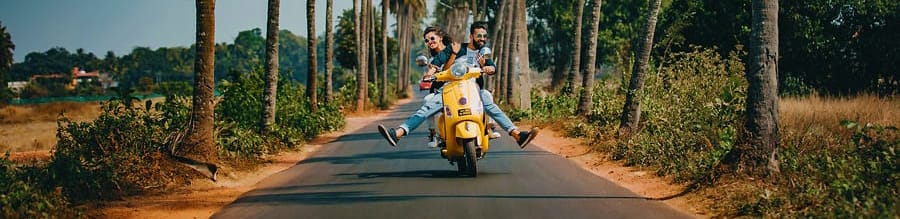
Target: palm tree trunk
<point x="270" y="93"/>
<point x="384" y="54"/>
<point x="363" y="81"/>
<point x="311" y="86"/>
<point x="760" y="156"/>
<point x="509" y="52"/>
<point x="329" y="52"/>
<point x="576" y="50"/>
<point x="585" y="103"/>
<point x="497" y="43"/>
<point x="631" y="112"/>
<point x="373" y="51"/>
<point x="360" y="95"/>
<point x="200" y="145"/>
<point x="401" y="25"/>
<point x="523" y="98"/>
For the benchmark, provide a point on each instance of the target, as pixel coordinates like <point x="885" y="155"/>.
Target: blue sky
<point x="120" y="25"/>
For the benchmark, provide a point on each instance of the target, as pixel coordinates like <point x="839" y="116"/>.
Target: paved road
<point x="361" y="176"/>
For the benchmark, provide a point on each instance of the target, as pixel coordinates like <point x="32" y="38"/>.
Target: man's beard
<point x="478" y="44"/>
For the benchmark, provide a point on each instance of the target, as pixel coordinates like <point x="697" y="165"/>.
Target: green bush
<point x="115" y="154"/>
<point x="239" y="113"/>
<point x="24" y="194"/>
<point x="856" y="178"/>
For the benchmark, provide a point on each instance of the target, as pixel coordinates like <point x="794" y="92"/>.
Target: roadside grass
<point x="838" y="154"/>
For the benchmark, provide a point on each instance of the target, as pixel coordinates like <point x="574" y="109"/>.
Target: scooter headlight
<point x="459" y="69"/>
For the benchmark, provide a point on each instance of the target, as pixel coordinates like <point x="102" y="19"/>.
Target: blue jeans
<point x="434" y="105"/>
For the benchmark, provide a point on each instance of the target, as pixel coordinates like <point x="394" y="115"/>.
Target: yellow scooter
<point x="461" y="124"/>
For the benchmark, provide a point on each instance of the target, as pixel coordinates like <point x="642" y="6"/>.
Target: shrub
<point x="239" y="113"/>
<point x="23" y="193"/>
<point x="115" y="154"/>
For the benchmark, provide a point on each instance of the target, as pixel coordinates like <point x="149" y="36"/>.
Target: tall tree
<point x="576" y="50"/>
<point x="384" y="56"/>
<point x="585" y="103"/>
<point x="329" y="51"/>
<point x="509" y="51"/>
<point x="271" y="90"/>
<point x="760" y="156"/>
<point x="373" y="51"/>
<point x="200" y="146"/>
<point x="497" y="41"/>
<point x="522" y="96"/>
<point x="6" y="60"/>
<point x="311" y="86"/>
<point x="631" y="112"/>
<point x="361" y="81"/>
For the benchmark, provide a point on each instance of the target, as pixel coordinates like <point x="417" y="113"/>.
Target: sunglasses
<point x="481" y="35"/>
<point x="432" y="39"/>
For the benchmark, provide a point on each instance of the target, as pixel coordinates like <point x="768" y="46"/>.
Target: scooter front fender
<point x="467" y="129"/>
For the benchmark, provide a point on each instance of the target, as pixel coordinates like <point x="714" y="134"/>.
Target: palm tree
<point x="329" y="51"/>
<point x="631" y="112"/>
<point x="522" y="97"/>
<point x="361" y="81"/>
<point x="6" y="59"/>
<point x="508" y="53"/>
<point x="498" y="42"/>
<point x="200" y="146"/>
<point x="384" y="57"/>
<point x="585" y="103"/>
<point x="760" y="156"/>
<point x="313" y="63"/>
<point x="271" y="90"/>
<point x="576" y="50"/>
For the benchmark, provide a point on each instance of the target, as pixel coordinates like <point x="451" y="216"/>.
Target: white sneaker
<point x="433" y="143"/>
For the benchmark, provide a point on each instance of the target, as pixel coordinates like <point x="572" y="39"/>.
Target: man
<point x="473" y="54"/>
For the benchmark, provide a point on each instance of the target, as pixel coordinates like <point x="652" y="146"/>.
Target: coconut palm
<point x="585" y="102"/>
<point x="761" y="154"/>
<point x="329" y="51"/>
<point x="631" y="112"/>
<point x="200" y="147"/>
<point x="311" y="48"/>
<point x="269" y="93"/>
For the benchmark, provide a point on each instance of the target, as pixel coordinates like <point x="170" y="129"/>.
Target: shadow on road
<point x="389" y="155"/>
<point x="330" y="198"/>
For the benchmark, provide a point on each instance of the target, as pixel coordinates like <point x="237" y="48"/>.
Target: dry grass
<point x="33" y="127"/>
<point x="813" y="112"/>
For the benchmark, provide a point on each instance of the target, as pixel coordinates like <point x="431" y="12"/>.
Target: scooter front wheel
<point x="470" y="158"/>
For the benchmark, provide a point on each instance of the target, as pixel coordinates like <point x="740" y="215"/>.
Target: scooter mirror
<point x="421" y="61"/>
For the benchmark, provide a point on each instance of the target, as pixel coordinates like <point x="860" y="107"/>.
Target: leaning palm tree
<point x="269" y="94"/>
<point x="311" y="47"/>
<point x="585" y="103"/>
<point x="631" y="112"/>
<point x="329" y="52"/>
<point x="200" y="147"/>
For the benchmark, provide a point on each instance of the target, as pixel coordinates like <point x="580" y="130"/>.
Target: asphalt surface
<point x="361" y="176"/>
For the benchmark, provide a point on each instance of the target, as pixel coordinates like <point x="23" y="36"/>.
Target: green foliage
<point x="239" y="114"/>
<point x="115" y="154"/>
<point x="692" y="109"/>
<point x="23" y="193"/>
<point x="856" y="177"/>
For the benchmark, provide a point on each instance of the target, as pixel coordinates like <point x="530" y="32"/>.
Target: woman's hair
<point x="445" y="38"/>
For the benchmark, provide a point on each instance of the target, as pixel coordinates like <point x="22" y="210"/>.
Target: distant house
<point x="79" y="76"/>
<point x="16" y="86"/>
